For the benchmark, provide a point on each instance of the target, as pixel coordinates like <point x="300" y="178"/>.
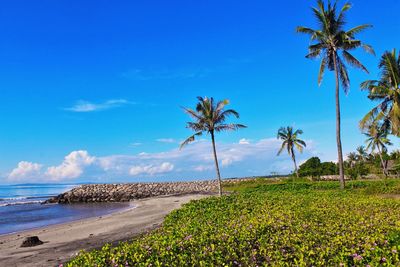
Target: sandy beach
<point x="63" y="241"/>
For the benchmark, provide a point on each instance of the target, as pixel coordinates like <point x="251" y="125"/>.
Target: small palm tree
<point x="290" y="141"/>
<point x="352" y="159"/>
<point x="377" y="140"/>
<point x="332" y="43"/>
<point x="387" y="91"/>
<point x="362" y="154"/>
<point x="209" y="117"/>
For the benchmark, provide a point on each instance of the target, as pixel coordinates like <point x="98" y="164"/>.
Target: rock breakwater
<point x="97" y="193"/>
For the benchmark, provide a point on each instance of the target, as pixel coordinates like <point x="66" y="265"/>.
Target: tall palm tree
<point x="290" y="140"/>
<point x="209" y="117"/>
<point x="377" y="140"/>
<point x="362" y="154"/>
<point x="332" y="43"/>
<point x="387" y="91"/>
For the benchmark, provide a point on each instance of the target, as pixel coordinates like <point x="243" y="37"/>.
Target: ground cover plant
<point x="272" y="223"/>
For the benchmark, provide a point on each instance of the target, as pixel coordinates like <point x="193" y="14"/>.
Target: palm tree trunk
<point x="338" y="134"/>
<point x="295" y="164"/>
<point x="216" y="164"/>
<point x="382" y="162"/>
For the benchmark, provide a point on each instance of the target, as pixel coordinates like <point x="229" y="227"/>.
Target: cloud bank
<point x="242" y="158"/>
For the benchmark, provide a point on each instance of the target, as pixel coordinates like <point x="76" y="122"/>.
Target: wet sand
<point x="64" y="241"/>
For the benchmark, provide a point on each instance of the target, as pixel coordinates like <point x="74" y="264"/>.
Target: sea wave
<point x="7" y="204"/>
<point x="26" y="197"/>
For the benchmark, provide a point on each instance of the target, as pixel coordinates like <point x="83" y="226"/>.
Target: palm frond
<point x="282" y="148"/>
<point x="343" y="75"/>
<point x="369" y="49"/>
<point x="190" y="139"/>
<point x="305" y="30"/>
<point x="358" y="29"/>
<point x="353" y="61"/>
<point x="229" y="127"/>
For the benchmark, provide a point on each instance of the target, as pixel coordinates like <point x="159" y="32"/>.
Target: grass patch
<point x="271" y="223"/>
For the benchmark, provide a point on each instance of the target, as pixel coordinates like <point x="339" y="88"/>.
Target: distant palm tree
<point x="328" y="41"/>
<point x="290" y="141"/>
<point x="377" y="140"/>
<point x="352" y="159"/>
<point x="209" y="117"/>
<point x="387" y="91"/>
<point x="362" y="154"/>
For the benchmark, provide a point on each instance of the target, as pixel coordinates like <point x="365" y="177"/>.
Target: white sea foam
<point x="6" y="204"/>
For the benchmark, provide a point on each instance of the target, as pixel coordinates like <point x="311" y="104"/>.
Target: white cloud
<point x="203" y="168"/>
<point x="136" y="144"/>
<point x="151" y="169"/>
<point x="226" y="162"/>
<point x="25" y="170"/>
<point x="72" y="166"/>
<point x="86" y="106"/>
<point x="244" y="141"/>
<point x="166" y="140"/>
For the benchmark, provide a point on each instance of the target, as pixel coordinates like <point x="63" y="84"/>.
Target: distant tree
<point x="290" y="140"/>
<point x="377" y="140"/>
<point x="387" y="91"/>
<point x="329" y="168"/>
<point x="312" y="168"/>
<point x="359" y="169"/>
<point x="332" y="43"/>
<point x="209" y="117"/>
<point x="362" y="153"/>
<point x="352" y="159"/>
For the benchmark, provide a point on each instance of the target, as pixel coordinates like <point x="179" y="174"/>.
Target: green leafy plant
<point x="272" y="224"/>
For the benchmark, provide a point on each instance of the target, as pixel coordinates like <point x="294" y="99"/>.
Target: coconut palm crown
<point x="290" y="140"/>
<point x="209" y="118"/>
<point x="332" y="44"/>
<point x="386" y="90"/>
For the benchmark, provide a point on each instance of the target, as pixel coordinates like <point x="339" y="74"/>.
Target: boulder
<point x="31" y="241"/>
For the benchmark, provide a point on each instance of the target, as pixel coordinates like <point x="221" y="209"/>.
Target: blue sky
<point x="92" y="90"/>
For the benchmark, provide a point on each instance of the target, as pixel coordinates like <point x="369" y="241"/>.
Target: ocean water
<point x="21" y="208"/>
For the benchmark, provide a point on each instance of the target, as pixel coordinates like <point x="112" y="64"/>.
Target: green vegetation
<point x="332" y="44"/>
<point x="290" y="140"/>
<point x="209" y="117"/>
<point x="272" y="223"/>
<point x="359" y="165"/>
<point x="314" y="168"/>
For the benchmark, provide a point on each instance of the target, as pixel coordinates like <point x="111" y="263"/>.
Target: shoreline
<point x="130" y="203"/>
<point x="63" y="241"/>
